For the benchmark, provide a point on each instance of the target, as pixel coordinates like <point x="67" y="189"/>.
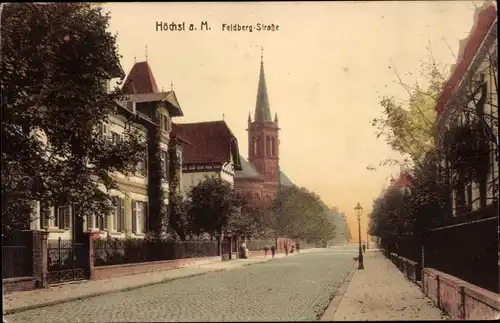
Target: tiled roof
<point x="484" y="18"/>
<point x="247" y="171"/>
<point x="140" y="80"/>
<point x="211" y="141"/>
<point x="176" y="132"/>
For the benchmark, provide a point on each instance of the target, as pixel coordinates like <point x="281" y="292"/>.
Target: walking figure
<point x="286" y="249"/>
<point x="273" y="250"/>
<point x="297" y="246"/>
<point x="364" y="248"/>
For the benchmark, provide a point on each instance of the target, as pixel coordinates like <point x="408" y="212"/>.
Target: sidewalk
<point x="21" y="301"/>
<point x="380" y="292"/>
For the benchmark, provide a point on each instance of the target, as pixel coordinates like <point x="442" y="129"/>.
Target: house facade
<point x="470" y="96"/>
<point x="260" y="176"/>
<point x="149" y="112"/>
<point x="211" y="149"/>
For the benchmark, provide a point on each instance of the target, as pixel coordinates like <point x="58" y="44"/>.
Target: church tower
<point x="263" y="139"/>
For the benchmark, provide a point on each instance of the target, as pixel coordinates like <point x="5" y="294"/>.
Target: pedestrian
<point x="266" y="249"/>
<point x="243" y="248"/>
<point x="286" y="249"/>
<point x="297" y="246"/>
<point x="364" y="248"/>
<point x="273" y="250"/>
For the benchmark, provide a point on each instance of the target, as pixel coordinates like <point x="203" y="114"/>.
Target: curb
<point x="339" y="295"/>
<point x="77" y="298"/>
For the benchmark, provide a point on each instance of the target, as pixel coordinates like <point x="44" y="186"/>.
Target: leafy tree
<point x="178" y="219"/>
<point x="212" y="204"/>
<point x="408" y="126"/>
<point x="55" y="58"/>
<point x="299" y="214"/>
<point x="253" y="217"/>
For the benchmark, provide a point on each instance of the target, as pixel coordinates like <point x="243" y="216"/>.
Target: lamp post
<point x="359" y="211"/>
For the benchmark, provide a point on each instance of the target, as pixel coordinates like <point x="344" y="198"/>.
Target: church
<point x="260" y="177"/>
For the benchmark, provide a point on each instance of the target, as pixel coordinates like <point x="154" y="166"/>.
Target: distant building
<point x="261" y="176"/>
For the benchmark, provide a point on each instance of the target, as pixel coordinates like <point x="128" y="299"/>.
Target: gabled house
<point x="211" y="150"/>
<point x="150" y="112"/>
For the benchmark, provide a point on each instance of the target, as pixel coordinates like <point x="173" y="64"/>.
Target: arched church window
<point x="254" y="146"/>
<point x="273" y="146"/>
<point x="259" y="146"/>
<point x="268" y="146"/>
<point x="257" y="197"/>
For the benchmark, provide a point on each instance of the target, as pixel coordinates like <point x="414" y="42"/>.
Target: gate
<point x="226" y="249"/>
<point x="67" y="261"/>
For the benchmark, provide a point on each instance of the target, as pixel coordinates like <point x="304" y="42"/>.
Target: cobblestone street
<point x="291" y="288"/>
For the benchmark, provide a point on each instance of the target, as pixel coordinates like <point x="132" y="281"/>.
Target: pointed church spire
<point x="276" y="117"/>
<point x="262" y="110"/>
<point x="249" y="117"/>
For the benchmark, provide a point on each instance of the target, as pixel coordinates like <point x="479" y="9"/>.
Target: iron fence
<point x="464" y="246"/>
<point x="126" y="251"/>
<point x="17" y="261"/>
<point x="467" y="248"/>
<point x="17" y="254"/>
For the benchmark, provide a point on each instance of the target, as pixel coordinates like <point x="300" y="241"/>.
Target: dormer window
<point x="165" y="123"/>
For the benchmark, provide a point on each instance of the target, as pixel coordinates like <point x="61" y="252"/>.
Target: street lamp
<point x="359" y="211"/>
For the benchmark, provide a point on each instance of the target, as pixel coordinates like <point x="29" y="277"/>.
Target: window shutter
<point x="45" y="214"/>
<point x="66" y="217"/>
<point x="90" y="222"/>
<point x="146" y="217"/>
<point x="134" y="217"/>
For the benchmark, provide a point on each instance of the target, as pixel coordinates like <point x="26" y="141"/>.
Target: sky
<point x="326" y="68"/>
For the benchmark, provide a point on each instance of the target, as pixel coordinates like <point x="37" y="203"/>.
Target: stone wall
<point x="460" y="300"/>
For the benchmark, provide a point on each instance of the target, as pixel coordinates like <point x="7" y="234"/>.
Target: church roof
<point x="247" y="170"/>
<point x="211" y="142"/>
<point x="284" y="180"/>
<point x="262" y="110"/>
<point x="140" y="80"/>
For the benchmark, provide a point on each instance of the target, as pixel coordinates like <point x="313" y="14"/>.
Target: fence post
<point x="438" y="291"/>
<point x="462" y="303"/>
<point x="89" y="247"/>
<point x="40" y="258"/>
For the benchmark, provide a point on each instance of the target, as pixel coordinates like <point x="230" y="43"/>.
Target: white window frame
<point x="138" y="205"/>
